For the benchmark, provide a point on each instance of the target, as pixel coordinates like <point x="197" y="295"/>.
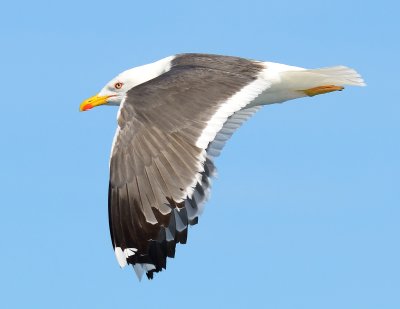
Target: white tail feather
<point x="338" y="76"/>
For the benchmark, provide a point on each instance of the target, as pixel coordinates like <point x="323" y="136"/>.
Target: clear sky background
<point x="305" y="212"/>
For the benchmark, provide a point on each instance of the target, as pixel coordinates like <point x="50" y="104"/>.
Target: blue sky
<point x="305" y="211"/>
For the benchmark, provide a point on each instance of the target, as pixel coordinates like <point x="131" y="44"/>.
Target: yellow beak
<point x="94" y="101"/>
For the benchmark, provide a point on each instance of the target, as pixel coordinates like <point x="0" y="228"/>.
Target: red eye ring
<point x="118" y="85"/>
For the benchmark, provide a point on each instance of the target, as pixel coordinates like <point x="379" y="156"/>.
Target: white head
<point x="114" y="92"/>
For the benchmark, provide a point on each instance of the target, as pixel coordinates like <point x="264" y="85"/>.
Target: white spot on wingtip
<point x="123" y="255"/>
<point x="130" y="251"/>
<point x="120" y="257"/>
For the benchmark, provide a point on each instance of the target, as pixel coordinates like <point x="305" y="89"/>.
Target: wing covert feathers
<point x="171" y="127"/>
<point x="160" y="174"/>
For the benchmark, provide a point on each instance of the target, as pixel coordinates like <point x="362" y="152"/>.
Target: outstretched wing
<point x="159" y="169"/>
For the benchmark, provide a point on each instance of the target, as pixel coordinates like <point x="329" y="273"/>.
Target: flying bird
<point x="175" y="116"/>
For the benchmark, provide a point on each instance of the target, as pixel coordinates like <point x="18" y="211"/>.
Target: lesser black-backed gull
<point x="174" y="117"/>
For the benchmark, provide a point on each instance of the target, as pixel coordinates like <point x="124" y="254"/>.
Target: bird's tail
<point x="296" y="82"/>
<point x="311" y="82"/>
<point x="337" y="76"/>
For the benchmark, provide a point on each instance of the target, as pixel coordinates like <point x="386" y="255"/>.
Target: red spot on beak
<point x="87" y="107"/>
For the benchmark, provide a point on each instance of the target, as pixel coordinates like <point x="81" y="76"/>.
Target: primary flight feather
<point x="174" y="118"/>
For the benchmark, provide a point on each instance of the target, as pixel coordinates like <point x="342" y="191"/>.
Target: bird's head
<point x="113" y="93"/>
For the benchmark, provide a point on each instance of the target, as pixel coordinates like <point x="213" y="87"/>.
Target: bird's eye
<point x="118" y="85"/>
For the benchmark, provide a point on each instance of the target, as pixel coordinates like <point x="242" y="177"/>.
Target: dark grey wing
<point x="159" y="170"/>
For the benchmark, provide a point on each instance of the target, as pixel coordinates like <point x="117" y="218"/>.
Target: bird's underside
<point x="175" y="117"/>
